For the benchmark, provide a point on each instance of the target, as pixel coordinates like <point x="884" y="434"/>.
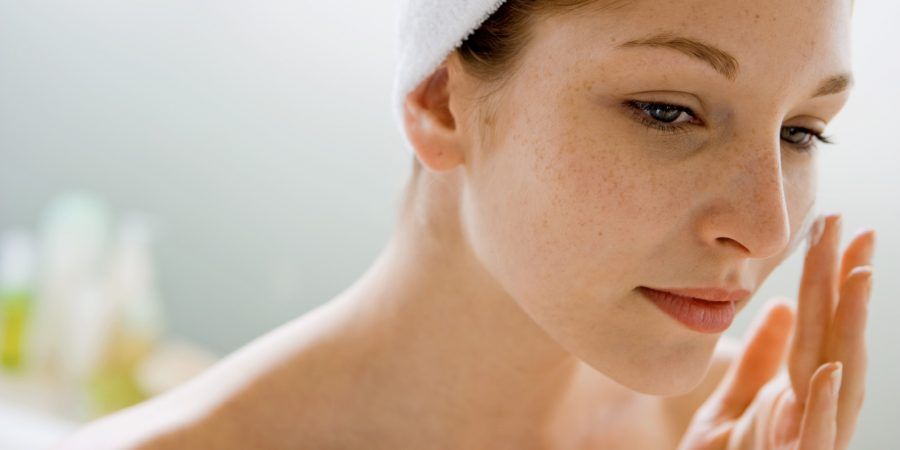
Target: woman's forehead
<point x="745" y="28"/>
<point x="754" y="40"/>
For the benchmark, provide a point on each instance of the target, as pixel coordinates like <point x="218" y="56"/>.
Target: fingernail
<point x="836" y="221"/>
<point x="861" y="231"/>
<point x="869" y="285"/>
<point x="872" y="251"/>
<point x="836" y="376"/>
<point x="864" y="272"/>
<point x="815" y="232"/>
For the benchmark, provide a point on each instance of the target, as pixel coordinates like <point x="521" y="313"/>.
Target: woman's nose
<point x="751" y="205"/>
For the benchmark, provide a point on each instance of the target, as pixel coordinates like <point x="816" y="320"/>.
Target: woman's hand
<point x="815" y="403"/>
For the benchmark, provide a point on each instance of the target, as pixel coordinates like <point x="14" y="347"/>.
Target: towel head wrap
<point x="428" y="31"/>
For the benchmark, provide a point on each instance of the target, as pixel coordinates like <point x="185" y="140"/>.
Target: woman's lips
<point x="699" y="315"/>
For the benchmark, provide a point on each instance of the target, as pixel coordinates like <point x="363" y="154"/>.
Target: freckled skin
<point x="503" y="312"/>
<point x="619" y="206"/>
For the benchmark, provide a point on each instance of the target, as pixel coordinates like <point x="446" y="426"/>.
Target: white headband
<point x="427" y="31"/>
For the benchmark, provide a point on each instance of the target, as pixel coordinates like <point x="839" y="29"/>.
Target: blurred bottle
<point x="73" y="315"/>
<point x="17" y="261"/>
<point x="137" y="326"/>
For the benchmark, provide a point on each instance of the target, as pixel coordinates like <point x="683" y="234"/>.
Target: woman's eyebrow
<point x="719" y="59"/>
<point x="723" y="62"/>
<point x="834" y="84"/>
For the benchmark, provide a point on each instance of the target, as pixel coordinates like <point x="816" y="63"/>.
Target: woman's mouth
<point x="699" y="315"/>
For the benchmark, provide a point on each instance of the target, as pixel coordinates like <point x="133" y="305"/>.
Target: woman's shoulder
<point x="224" y="403"/>
<point x="139" y="427"/>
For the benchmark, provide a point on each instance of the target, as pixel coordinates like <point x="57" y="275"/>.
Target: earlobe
<point x="430" y="125"/>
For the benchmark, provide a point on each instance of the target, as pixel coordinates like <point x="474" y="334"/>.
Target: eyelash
<point x="640" y="110"/>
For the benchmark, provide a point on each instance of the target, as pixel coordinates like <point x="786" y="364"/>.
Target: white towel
<point x="427" y="31"/>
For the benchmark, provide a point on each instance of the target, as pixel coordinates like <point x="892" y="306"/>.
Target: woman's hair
<point x="490" y="52"/>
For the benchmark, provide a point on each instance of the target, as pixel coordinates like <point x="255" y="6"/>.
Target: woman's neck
<point x="445" y="345"/>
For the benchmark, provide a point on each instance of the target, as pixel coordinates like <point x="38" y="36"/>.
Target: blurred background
<point x="177" y="178"/>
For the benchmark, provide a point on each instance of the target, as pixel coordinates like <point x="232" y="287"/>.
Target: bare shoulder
<point x="182" y="421"/>
<point x="234" y="403"/>
<point x="141" y="427"/>
<point x="681" y="408"/>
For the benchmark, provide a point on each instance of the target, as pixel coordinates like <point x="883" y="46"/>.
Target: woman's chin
<point x="673" y="384"/>
<point x="664" y="376"/>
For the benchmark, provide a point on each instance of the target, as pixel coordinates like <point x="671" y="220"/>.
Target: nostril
<point x="732" y="242"/>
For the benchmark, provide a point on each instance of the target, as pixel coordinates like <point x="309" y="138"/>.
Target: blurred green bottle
<point x="16" y="297"/>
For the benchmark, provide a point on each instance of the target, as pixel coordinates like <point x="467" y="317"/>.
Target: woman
<point x="573" y="159"/>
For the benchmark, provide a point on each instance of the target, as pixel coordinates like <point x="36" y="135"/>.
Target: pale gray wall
<point x="260" y="135"/>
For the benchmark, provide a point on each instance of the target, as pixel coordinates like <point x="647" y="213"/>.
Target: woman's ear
<point x="432" y="129"/>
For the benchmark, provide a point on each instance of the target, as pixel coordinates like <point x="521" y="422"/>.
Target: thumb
<point x="759" y="360"/>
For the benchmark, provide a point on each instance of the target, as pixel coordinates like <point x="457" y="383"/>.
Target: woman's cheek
<point x="581" y="217"/>
<point x="558" y="199"/>
<point x="529" y="223"/>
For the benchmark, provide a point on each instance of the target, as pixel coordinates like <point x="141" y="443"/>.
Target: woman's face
<point x="583" y="190"/>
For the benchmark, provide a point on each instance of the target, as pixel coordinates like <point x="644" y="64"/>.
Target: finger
<point x="759" y="359"/>
<point x="815" y="303"/>
<point x="847" y="345"/>
<point x="858" y="252"/>
<point x="787" y="412"/>
<point x="818" y="427"/>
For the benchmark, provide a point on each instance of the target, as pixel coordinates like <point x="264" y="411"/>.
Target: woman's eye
<point x="664" y="113"/>
<point x="664" y="117"/>
<point x="673" y="119"/>
<point x="796" y="135"/>
<point x="802" y="137"/>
